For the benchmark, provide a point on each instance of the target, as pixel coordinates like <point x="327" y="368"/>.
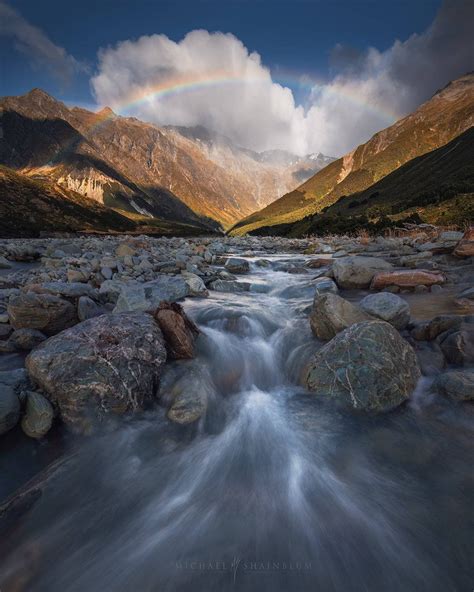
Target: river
<point x="276" y="491"/>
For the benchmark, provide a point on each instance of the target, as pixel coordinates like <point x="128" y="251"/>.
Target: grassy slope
<point x="449" y="113"/>
<point x="437" y="186"/>
<point x="28" y="207"/>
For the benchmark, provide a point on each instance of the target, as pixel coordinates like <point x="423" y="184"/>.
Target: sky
<point x="301" y="75"/>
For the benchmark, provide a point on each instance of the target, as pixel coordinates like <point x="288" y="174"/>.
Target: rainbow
<point x="193" y="83"/>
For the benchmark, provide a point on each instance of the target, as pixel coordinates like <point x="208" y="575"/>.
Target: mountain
<point x="29" y="207"/>
<point x="435" y="123"/>
<point x="190" y="175"/>
<point x="437" y="187"/>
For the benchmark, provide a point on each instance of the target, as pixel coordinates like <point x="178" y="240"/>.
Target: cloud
<point x="368" y="90"/>
<point x="242" y="103"/>
<point x="35" y="44"/>
<point x="375" y="88"/>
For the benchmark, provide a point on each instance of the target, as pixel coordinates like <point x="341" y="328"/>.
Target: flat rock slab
<point x="406" y="279"/>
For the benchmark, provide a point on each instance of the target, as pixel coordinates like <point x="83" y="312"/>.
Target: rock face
<point x="456" y="385"/>
<point x="367" y="367"/>
<point x="331" y="314"/>
<point x="149" y="295"/>
<point x="45" y="312"/>
<point x="387" y="307"/>
<point x="237" y="265"/>
<point x="178" y="330"/>
<point x="465" y="247"/>
<point x="38" y="417"/>
<point x="108" y="365"/>
<point x="357" y="272"/>
<point x="406" y="279"/>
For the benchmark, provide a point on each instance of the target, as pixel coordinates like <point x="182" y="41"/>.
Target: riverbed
<point x="274" y="490"/>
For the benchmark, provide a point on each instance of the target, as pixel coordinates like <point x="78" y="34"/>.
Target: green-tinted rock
<point x="367" y="367"/>
<point x="38" y="418"/>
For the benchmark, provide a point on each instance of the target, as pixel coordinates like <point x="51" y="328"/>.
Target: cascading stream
<point x="277" y="491"/>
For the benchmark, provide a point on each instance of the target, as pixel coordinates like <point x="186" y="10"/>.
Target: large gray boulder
<point x="45" y="312"/>
<point x="387" y="307"/>
<point x="367" y="367"/>
<point x="358" y="271"/>
<point x="106" y="366"/>
<point x="331" y="314"/>
<point x="143" y="297"/>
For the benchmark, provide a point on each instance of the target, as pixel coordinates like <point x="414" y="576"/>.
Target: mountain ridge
<point x="447" y="114"/>
<point x="124" y="162"/>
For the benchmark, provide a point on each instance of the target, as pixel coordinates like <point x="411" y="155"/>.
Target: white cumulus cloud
<point x="223" y="86"/>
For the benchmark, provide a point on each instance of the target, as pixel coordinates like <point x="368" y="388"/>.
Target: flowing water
<point x="274" y="491"/>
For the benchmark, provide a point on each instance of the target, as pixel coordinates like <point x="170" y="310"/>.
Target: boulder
<point x="104" y="367"/>
<point x="178" y="330"/>
<point x="429" y="330"/>
<point x="65" y="289"/>
<point x="318" y="262"/>
<point x="406" y="279"/>
<point x="387" y="307"/>
<point x="195" y="284"/>
<point x="4" y="263"/>
<point x="358" y="271"/>
<point x="75" y="275"/>
<point x="237" y="265"/>
<point x="111" y="289"/>
<point x="45" y="312"/>
<point x="187" y="396"/>
<point x="229" y="286"/>
<point x="458" y="346"/>
<point x="465" y="247"/>
<point x="325" y="285"/>
<point x="26" y="339"/>
<point x="38" y="418"/>
<point x="147" y="296"/>
<point x="5" y="331"/>
<point x="125" y="250"/>
<point x="12" y="384"/>
<point x="331" y="314"/>
<point x="367" y="367"/>
<point x="456" y="384"/>
<point x="88" y="309"/>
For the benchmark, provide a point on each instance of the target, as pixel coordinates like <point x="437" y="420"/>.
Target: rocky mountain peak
<point x="106" y="112"/>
